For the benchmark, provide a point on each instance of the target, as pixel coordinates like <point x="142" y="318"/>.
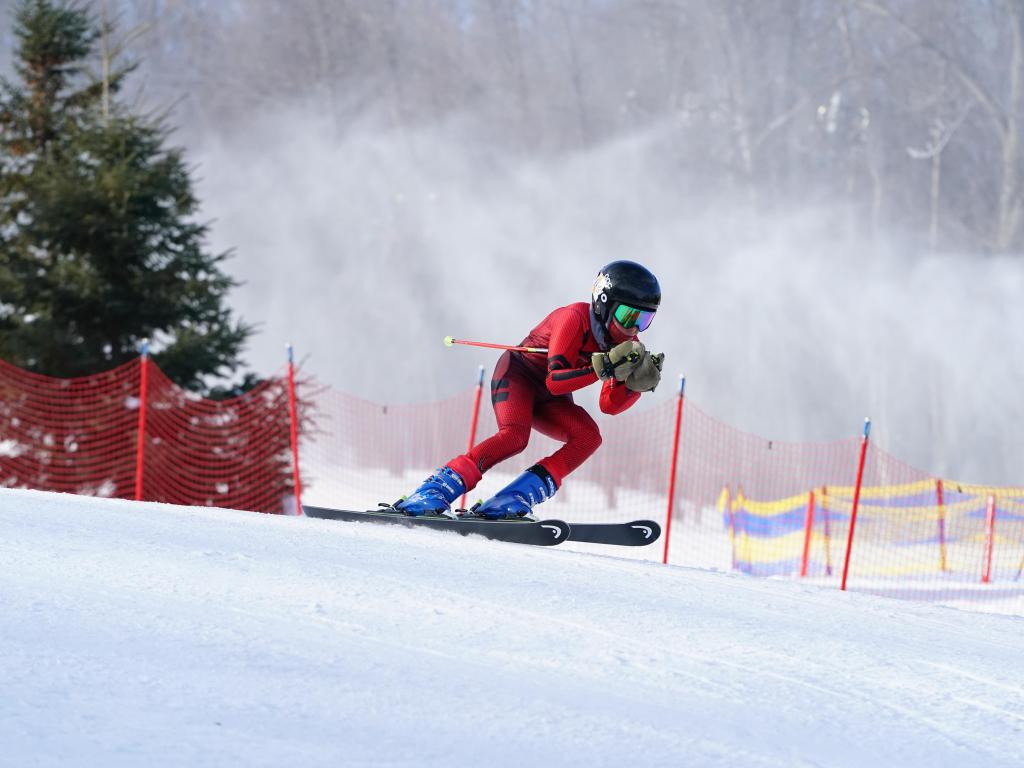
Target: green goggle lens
<point x="629" y="317"/>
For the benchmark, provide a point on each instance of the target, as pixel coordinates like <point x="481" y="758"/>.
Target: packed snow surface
<point x="148" y="635"/>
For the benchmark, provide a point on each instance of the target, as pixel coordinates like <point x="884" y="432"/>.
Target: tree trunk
<point x="864" y="143"/>
<point x="936" y="184"/>
<point x="743" y="146"/>
<point x="1009" y="220"/>
<point x="576" y="77"/>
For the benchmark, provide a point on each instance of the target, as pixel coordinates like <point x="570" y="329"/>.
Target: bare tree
<point x="767" y="102"/>
<point x="1003" y="114"/>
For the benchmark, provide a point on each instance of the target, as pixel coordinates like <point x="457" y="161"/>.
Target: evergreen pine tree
<point x="99" y="246"/>
<point x="99" y="250"/>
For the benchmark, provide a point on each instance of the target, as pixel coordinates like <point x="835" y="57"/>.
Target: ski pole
<point x="449" y="341"/>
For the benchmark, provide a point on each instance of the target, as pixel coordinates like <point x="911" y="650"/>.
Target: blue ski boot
<point x="518" y="498"/>
<point x="434" y="495"/>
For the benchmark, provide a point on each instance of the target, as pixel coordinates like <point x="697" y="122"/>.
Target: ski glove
<point x="619" y="361"/>
<point x="647" y="374"/>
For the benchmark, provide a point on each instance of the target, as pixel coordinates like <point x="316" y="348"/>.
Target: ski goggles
<point x="630" y="317"/>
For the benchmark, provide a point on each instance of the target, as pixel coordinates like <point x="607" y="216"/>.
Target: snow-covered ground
<point x="141" y="634"/>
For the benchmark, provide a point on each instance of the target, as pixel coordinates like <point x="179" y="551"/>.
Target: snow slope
<point x="141" y="634"/>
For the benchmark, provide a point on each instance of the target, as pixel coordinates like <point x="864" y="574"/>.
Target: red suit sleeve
<point x="563" y="347"/>
<point x="616" y="397"/>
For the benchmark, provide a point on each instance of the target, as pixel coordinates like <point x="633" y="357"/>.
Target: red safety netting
<point x="360" y="453"/>
<point x="82" y="436"/>
<point x="741" y="501"/>
<point x="226" y="453"/>
<point x="72" y="435"/>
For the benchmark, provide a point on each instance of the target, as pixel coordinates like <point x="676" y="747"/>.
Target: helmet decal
<point x="601" y="284"/>
<point x="623" y="282"/>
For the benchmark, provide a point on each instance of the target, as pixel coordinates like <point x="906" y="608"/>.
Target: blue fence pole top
<point x="480" y="381"/>
<point x="867" y="428"/>
<point x="291" y="354"/>
<point x="144" y="349"/>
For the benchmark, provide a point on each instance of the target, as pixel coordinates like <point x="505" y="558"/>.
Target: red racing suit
<point x="531" y="391"/>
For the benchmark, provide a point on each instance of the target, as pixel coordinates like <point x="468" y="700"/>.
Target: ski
<point x="544" y="533"/>
<point x="637" y="533"/>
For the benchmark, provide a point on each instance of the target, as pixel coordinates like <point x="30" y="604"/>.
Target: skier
<point x="585" y="343"/>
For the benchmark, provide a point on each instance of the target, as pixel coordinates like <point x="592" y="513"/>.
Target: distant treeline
<point x="908" y="111"/>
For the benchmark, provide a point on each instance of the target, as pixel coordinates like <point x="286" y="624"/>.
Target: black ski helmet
<point x="624" y="282"/>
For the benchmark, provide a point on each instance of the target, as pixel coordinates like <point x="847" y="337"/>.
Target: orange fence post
<point x="474" y="420"/>
<point x="939" y="499"/>
<point x="856" y="499"/>
<point x="990" y="530"/>
<point x="675" y="462"/>
<point x="140" y="443"/>
<point x="808" y="527"/>
<point x="293" y="419"/>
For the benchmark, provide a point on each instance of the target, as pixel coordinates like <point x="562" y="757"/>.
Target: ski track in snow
<point x="147" y="634"/>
